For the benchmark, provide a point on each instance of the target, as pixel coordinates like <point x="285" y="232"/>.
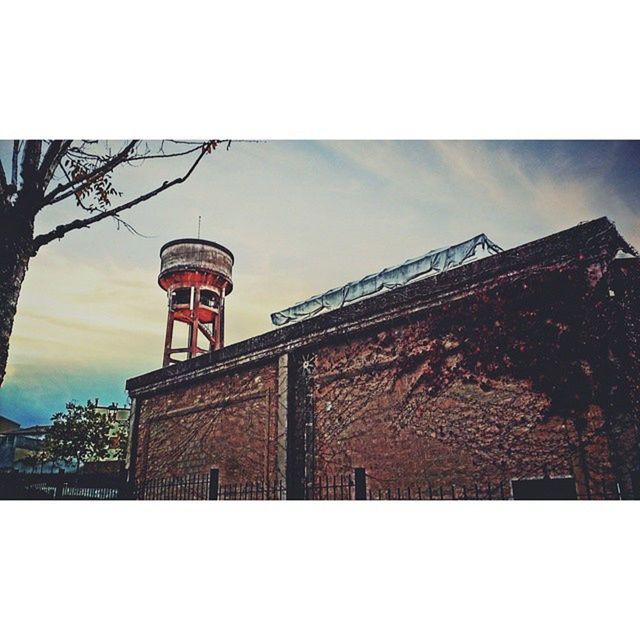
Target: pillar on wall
<point x="132" y="448"/>
<point x="281" y="418"/>
<point x="624" y="344"/>
<point x="300" y="426"/>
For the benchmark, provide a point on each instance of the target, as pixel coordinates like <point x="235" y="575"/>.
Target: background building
<point x="19" y="446"/>
<point x="118" y="417"/>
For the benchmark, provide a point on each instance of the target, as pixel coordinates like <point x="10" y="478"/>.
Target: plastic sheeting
<point x="430" y="263"/>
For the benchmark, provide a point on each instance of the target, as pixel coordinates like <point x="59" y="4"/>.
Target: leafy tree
<point x="43" y="173"/>
<point x="120" y="442"/>
<point x="80" y="434"/>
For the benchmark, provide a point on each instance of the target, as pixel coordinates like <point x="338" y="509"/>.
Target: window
<point x="208" y="299"/>
<point x="181" y="297"/>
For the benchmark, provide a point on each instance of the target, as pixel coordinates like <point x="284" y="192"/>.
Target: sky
<point x="300" y="217"/>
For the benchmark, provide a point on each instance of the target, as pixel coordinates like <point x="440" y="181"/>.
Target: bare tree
<point x="43" y="173"/>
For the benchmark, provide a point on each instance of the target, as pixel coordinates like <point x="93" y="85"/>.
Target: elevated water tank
<point x="189" y="256"/>
<point x="196" y="274"/>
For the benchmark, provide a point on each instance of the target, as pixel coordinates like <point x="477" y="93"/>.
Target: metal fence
<point x="536" y="488"/>
<point x="253" y="491"/>
<point x="190" y="487"/>
<point x="61" y="486"/>
<point x="356" y="486"/>
<point x="206" y="486"/>
<point x="342" y="487"/>
<point x="361" y="486"/>
<point x="428" y="491"/>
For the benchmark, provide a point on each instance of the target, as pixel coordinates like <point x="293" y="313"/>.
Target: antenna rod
<point x="199" y="219"/>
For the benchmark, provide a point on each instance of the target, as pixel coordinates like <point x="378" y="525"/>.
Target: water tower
<point x="196" y="274"/>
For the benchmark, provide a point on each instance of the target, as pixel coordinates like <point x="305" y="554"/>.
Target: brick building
<point x="517" y="366"/>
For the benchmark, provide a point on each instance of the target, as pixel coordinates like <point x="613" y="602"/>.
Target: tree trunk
<point x="16" y="248"/>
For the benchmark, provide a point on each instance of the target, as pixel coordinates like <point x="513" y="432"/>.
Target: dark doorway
<point x="544" y="489"/>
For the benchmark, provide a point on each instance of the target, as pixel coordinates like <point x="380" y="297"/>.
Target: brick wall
<point x="227" y="422"/>
<point x="498" y="385"/>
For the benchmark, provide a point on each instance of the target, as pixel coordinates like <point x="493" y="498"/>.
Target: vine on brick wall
<point x="547" y="332"/>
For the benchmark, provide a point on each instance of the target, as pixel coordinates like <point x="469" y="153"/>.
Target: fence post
<point x="59" y="484"/>
<point x="124" y="488"/>
<point x="214" y="481"/>
<point x="361" y="483"/>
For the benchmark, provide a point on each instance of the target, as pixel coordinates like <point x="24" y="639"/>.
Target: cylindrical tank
<point x="196" y="274"/>
<point x="183" y="258"/>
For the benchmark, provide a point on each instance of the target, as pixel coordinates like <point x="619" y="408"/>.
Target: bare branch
<point x="166" y="155"/>
<point x="63" y="229"/>
<point x="51" y="160"/>
<point x="129" y="227"/>
<point x="82" y="154"/>
<point x="3" y="183"/>
<point x="14" y="163"/>
<point x="66" y="190"/>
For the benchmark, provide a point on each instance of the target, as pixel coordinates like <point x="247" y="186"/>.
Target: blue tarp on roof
<point x="430" y="263"/>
